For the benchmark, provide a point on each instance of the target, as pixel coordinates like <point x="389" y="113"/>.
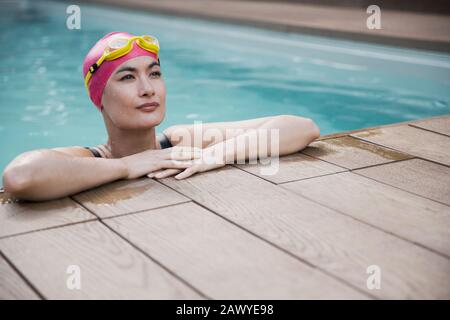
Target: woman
<point x="123" y="77"/>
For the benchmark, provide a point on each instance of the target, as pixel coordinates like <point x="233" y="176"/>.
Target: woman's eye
<point x="156" y="74"/>
<point x="127" y="77"/>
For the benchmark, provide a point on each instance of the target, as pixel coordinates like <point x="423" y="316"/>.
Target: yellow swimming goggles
<point x="118" y="47"/>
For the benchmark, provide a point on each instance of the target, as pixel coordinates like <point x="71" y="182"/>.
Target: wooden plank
<point x="421" y="143"/>
<point x="12" y="287"/>
<point x="126" y="196"/>
<point x="293" y="167"/>
<point x="415" y="218"/>
<point x="440" y="125"/>
<point x="329" y="240"/>
<point x="418" y="176"/>
<point x="109" y="267"/>
<point x="352" y="153"/>
<point x="222" y="260"/>
<point x="19" y="217"/>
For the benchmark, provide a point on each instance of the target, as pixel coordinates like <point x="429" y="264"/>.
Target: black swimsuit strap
<point x="163" y="141"/>
<point x="94" y="152"/>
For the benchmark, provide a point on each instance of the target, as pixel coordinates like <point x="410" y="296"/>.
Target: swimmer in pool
<point x="123" y="77"/>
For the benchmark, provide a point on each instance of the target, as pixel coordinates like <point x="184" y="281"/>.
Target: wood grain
<point x="223" y="260"/>
<point x="414" y="141"/>
<point x="12" y="286"/>
<point x="440" y="125"/>
<point x="126" y="196"/>
<point x="292" y="167"/>
<point x="412" y="217"/>
<point x="328" y="240"/>
<point x="418" y="176"/>
<point x="110" y="268"/>
<point x="352" y="153"/>
<point x="19" y="217"/>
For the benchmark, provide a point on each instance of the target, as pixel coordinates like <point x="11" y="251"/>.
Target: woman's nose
<point x="145" y="87"/>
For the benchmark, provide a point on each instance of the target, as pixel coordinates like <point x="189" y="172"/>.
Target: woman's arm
<point x="47" y="174"/>
<point x="210" y="132"/>
<point x="286" y="133"/>
<point x="214" y="132"/>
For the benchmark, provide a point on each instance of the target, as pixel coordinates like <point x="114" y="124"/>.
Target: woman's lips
<point x="148" y="107"/>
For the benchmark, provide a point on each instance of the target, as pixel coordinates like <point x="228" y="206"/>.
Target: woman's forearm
<point x="279" y="136"/>
<point x="48" y="174"/>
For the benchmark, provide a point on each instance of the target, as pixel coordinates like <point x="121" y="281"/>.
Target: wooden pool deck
<point x="378" y="196"/>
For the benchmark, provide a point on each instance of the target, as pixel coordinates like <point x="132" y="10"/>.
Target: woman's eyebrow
<point x="126" y="69"/>
<point x="131" y="69"/>
<point x="151" y="65"/>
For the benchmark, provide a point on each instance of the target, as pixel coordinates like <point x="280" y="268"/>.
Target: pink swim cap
<point x="98" y="80"/>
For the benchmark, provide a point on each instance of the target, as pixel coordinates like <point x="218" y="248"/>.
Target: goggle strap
<point x="93" y="68"/>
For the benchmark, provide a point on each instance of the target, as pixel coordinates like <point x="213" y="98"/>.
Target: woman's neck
<point x="122" y="143"/>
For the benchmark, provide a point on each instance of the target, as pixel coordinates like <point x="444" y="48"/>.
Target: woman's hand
<point x="198" y="166"/>
<point x="149" y="161"/>
<point x="207" y="161"/>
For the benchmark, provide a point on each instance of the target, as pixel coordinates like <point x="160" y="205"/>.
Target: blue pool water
<point x="213" y="72"/>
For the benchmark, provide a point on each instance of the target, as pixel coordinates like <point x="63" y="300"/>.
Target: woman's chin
<point x="150" y="120"/>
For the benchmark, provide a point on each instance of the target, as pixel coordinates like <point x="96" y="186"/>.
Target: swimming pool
<point x="213" y="72"/>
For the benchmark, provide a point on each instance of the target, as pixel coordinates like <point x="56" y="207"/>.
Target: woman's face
<point x="133" y="83"/>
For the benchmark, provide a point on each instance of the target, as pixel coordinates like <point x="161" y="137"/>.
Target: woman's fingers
<point x="167" y="173"/>
<point x="186" y="173"/>
<point x="152" y="174"/>
<point x="175" y="164"/>
<point x="184" y="153"/>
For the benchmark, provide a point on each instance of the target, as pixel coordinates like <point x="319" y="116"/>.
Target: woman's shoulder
<point x="77" y="151"/>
